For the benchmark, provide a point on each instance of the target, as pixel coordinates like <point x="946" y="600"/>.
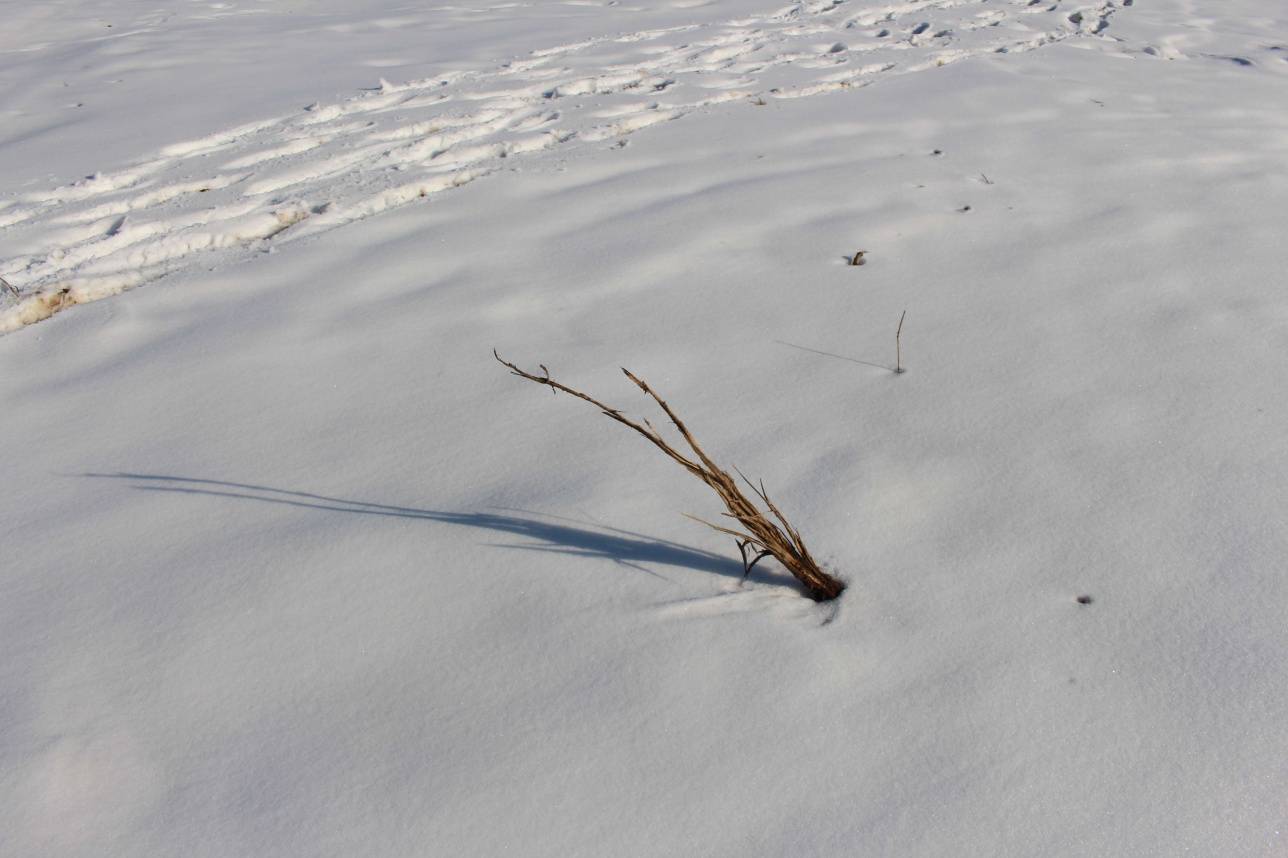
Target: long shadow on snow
<point x="625" y="547"/>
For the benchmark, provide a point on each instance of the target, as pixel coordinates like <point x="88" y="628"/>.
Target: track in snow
<point x="326" y="165"/>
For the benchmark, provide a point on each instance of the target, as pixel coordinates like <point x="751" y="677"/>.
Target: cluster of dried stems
<point x="757" y="535"/>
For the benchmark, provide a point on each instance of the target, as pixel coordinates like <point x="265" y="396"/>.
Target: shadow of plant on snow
<point x="546" y="533"/>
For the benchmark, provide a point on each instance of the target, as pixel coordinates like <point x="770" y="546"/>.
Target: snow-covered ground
<point x="290" y="566"/>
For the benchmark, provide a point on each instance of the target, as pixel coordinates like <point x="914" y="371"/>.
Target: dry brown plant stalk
<point x="758" y="536"/>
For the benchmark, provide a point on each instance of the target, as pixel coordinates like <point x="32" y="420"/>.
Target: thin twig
<point x="10" y="288"/>
<point x="747" y="565"/>
<point x="898" y="351"/>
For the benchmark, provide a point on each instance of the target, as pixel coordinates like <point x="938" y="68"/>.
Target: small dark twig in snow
<point x="898" y="351"/>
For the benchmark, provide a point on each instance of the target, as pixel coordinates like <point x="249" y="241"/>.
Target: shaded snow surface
<point x="289" y="566"/>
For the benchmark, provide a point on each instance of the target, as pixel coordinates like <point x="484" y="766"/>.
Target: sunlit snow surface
<point x="279" y="178"/>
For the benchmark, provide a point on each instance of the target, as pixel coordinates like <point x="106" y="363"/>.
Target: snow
<point x="291" y="566"/>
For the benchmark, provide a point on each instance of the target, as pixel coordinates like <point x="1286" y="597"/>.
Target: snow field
<point x="290" y="566"/>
